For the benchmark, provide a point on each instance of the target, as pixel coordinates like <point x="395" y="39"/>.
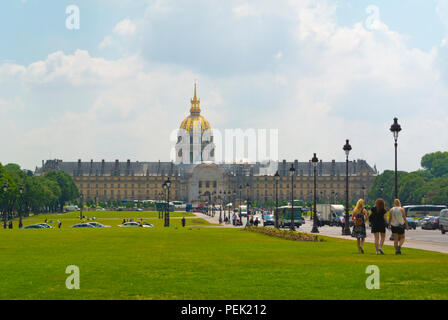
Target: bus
<point x="243" y="210"/>
<point x="162" y="206"/>
<point x="417" y="211"/>
<point x="284" y="216"/>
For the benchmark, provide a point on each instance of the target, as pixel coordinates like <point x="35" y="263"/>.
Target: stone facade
<point x="210" y="181"/>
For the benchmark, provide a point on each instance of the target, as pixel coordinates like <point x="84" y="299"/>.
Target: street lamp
<point x="222" y="201"/>
<point x="20" y="206"/>
<point x="292" y="171"/>
<point x="240" y="189"/>
<point x="315" y="229"/>
<point x="5" y="189"/>
<point x="346" y="231"/>
<point x="81" y="199"/>
<point x="167" y="186"/>
<point x="247" y="201"/>
<point x="277" y="179"/>
<point x="395" y="129"/>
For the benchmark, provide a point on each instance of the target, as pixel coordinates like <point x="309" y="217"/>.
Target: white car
<point x="135" y="224"/>
<point x="98" y="225"/>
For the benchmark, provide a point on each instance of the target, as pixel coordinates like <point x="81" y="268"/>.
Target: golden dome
<point x="195" y="117"/>
<point x="190" y="121"/>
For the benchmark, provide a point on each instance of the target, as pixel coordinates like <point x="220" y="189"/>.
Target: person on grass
<point x="378" y="222"/>
<point x="398" y="224"/>
<point x="359" y="229"/>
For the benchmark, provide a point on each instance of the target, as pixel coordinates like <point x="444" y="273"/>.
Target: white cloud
<point x="280" y="64"/>
<point x="125" y="28"/>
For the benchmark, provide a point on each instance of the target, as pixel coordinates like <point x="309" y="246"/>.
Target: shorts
<point x="381" y="229"/>
<point x="398" y="229"/>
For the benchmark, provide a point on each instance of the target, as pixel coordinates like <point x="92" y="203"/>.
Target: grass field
<point x="113" y="220"/>
<point x="108" y="214"/>
<point x="207" y="263"/>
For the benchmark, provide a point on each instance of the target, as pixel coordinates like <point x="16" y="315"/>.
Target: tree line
<point x="426" y="186"/>
<point x="47" y="193"/>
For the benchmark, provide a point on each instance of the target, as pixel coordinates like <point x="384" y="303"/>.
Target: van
<point x="443" y="221"/>
<point x="243" y="210"/>
<point x="71" y="208"/>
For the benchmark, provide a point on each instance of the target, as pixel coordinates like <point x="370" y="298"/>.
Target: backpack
<point x="358" y="221"/>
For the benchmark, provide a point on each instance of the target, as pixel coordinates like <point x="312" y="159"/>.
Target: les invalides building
<point x="195" y="175"/>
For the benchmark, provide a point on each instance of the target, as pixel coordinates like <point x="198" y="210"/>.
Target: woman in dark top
<point x="378" y="223"/>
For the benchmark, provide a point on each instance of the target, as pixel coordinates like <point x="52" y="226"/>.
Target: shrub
<point x="285" y="234"/>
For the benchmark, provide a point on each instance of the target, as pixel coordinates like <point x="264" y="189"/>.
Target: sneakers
<point x="398" y="250"/>
<point x="381" y="251"/>
<point x="362" y="250"/>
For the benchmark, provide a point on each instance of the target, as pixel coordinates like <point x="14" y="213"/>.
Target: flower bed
<point x="285" y="234"/>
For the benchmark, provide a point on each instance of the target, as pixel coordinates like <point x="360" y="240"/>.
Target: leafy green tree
<point x="67" y="186"/>
<point x="436" y="163"/>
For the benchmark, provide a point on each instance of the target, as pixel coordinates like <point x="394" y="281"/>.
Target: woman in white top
<point x="397" y="224"/>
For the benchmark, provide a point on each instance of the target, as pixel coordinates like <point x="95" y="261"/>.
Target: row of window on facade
<point x="132" y="186"/>
<point x="207" y="184"/>
<point x="132" y="193"/>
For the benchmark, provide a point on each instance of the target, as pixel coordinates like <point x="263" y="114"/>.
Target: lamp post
<point x="81" y="199"/>
<point x="240" y="188"/>
<point x="277" y="179"/>
<point x="221" y="200"/>
<point x="20" y="206"/>
<point x="395" y="129"/>
<point x="247" y="201"/>
<point x="315" y="229"/>
<point x="346" y="231"/>
<point x="292" y="171"/>
<point x="5" y="189"/>
<point x="167" y="186"/>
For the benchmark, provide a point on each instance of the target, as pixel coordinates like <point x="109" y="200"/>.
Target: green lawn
<point x="207" y="263"/>
<point x="108" y="214"/>
<point x="67" y="222"/>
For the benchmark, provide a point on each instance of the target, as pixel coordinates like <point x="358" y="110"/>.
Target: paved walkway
<point x="410" y="242"/>
<point x="431" y="242"/>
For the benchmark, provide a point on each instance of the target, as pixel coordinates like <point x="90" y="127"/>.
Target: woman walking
<point x="397" y="224"/>
<point x="359" y="230"/>
<point x="378" y="222"/>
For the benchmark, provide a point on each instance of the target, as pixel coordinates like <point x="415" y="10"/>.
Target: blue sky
<point x="320" y="71"/>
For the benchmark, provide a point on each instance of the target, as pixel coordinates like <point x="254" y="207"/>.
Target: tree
<point x="436" y="163"/>
<point x="67" y="186"/>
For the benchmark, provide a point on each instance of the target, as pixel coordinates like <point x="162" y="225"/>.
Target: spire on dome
<point x="195" y="102"/>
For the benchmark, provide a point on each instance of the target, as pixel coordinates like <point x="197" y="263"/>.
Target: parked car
<point x="443" y="221"/>
<point x="34" y="226"/>
<point x="135" y="224"/>
<point x="46" y="226"/>
<point x="148" y="225"/>
<point x="98" y="225"/>
<point x="411" y="223"/>
<point x="82" y="225"/>
<point x="431" y="224"/>
<point x="421" y="221"/>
